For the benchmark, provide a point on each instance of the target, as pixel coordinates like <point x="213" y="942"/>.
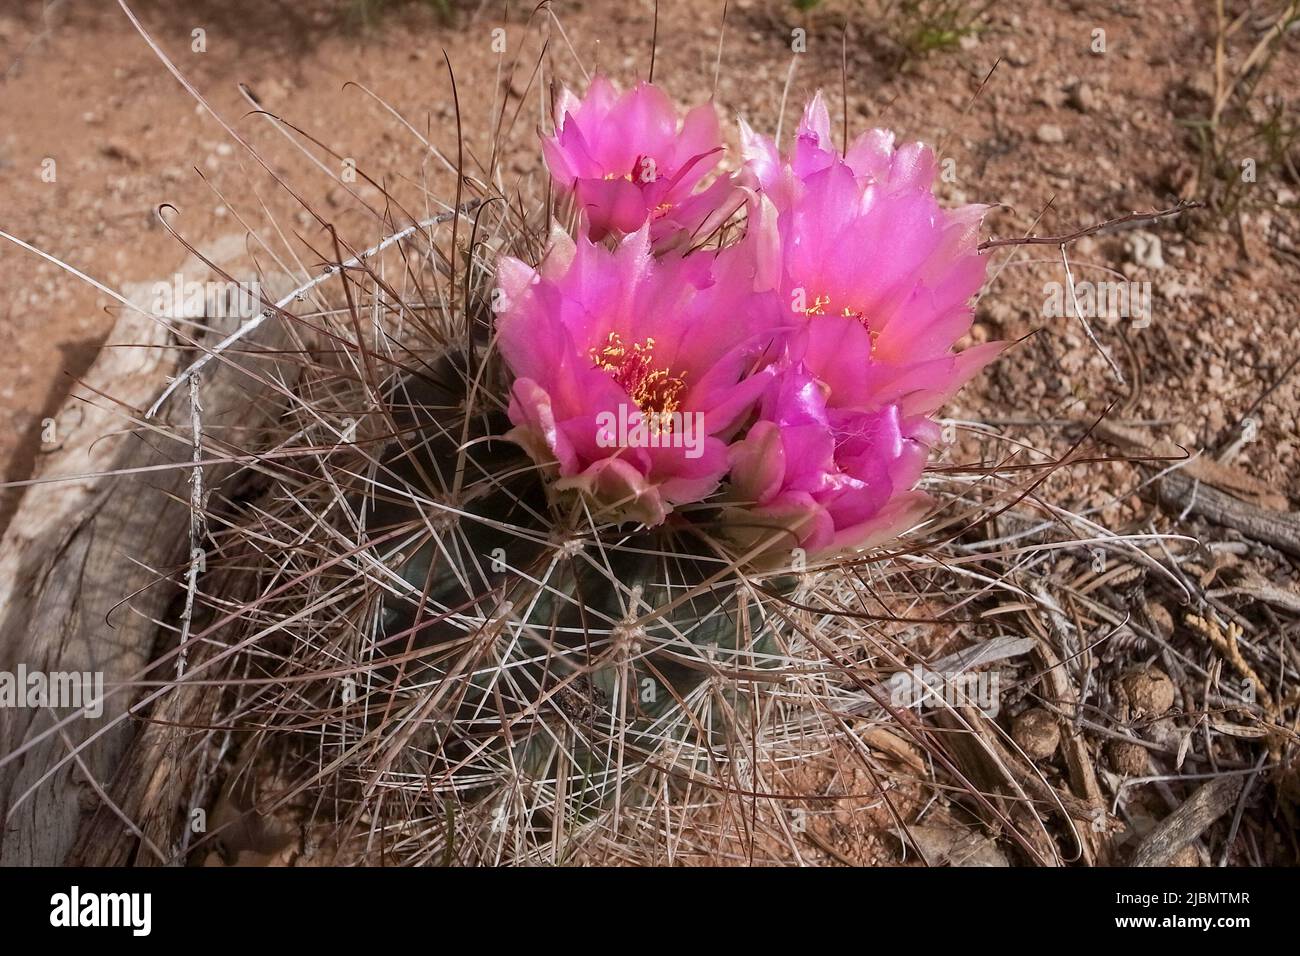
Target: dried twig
<point x="1211" y="801"/>
<point x="1281" y="529"/>
<point x="1133" y="217"/>
<point x="1200" y="468"/>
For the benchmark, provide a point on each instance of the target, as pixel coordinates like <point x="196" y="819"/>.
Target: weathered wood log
<point x="159" y="770"/>
<point x="1200" y="468"/>
<point x="65" y="565"/>
<point x="89" y="566"/>
<point x="1220" y="493"/>
<point x="1279" y="529"/>
<point x="1210" y="801"/>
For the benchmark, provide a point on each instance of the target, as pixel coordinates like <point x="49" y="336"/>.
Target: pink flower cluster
<point x="772" y="344"/>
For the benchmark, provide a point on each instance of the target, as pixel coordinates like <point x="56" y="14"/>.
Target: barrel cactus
<point x="566" y="504"/>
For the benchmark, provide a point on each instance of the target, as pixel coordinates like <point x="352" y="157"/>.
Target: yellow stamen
<point x="656" y="391"/>
<point x="821" y="306"/>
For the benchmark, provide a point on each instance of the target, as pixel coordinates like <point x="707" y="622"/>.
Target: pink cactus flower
<point x="627" y="162"/>
<point x="879" y="279"/>
<point x="883" y="275"/>
<point x="831" y="478"/>
<point x="800" y="365"/>
<point x="631" y="371"/>
<point x="872" y="156"/>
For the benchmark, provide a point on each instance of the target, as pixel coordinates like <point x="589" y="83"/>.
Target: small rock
<point x="969" y="41"/>
<point x="1150" y="692"/>
<point x="1013" y="54"/>
<point x="1143" y="248"/>
<point x="1084" y="98"/>
<point x="1127" y="758"/>
<point x="1052" y="98"/>
<point x="119" y="150"/>
<point x="999" y="311"/>
<point x="1037" y="732"/>
<point x="1050" y="133"/>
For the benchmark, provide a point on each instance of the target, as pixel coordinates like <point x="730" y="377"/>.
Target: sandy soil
<point x="83" y="90"/>
<point x="1061" y="135"/>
